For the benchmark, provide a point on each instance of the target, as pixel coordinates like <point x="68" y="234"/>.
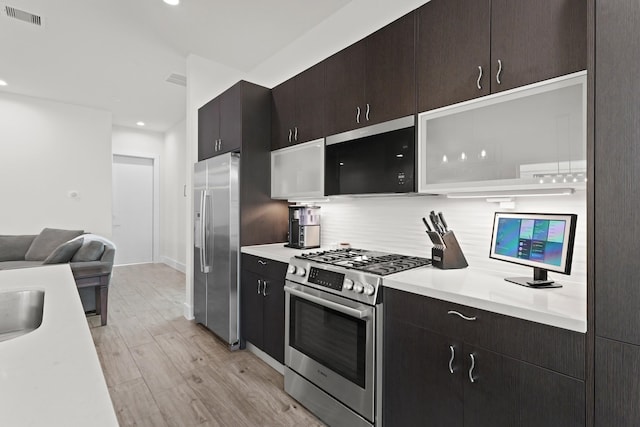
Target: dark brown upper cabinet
<point x="208" y="129"/>
<point x="373" y="80"/>
<point x="470" y="48"/>
<point x="298" y="108"/>
<point x="220" y="122"/>
<point x="452" y="58"/>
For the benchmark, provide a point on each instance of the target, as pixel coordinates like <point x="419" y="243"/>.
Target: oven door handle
<point x="353" y="312"/>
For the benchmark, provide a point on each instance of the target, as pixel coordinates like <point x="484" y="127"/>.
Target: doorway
<point x="134" y="200"/>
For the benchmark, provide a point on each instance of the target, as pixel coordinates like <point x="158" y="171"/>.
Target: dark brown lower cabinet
<point x="433" y="378"/>
<point x="418" y="387"/>
<point x="617" y="383"/>
<point x="262" y="304"/>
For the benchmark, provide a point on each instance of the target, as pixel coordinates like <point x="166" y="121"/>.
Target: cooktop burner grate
<point x="369" y="261"/>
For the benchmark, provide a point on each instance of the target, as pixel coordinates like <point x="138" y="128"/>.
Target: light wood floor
<point x="163" y="370"/>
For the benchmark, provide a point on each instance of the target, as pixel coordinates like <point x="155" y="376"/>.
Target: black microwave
<point x="374" y="159"/>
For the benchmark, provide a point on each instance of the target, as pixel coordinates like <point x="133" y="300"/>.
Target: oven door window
<point x="332" y="339"/>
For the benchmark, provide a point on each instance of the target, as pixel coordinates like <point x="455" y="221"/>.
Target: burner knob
<point x="291" y="269"/>
<point x="357" y="288"/>
<point x="348" y="284"/>
<point x="301" y="271"/>
<point x="369" y="289"/>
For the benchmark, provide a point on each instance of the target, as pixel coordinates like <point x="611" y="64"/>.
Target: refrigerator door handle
<point x="204" y="267"/>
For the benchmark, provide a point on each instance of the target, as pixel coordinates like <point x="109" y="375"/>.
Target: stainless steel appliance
<point x="216" y="246"/>
<point x="304" y="227"/>
<point x="373" y="159"/>
<point x="333" y="332"/>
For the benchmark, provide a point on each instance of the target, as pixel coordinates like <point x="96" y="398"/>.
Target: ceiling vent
<point x="21" y="15"/>
<point x="177" y="79"/>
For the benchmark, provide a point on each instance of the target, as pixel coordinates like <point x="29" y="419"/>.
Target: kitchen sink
<point x="20" y="313"/>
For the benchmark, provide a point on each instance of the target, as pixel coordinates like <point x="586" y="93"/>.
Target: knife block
<point x="450" y="255"/>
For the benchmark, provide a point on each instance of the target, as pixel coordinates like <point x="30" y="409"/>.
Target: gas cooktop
<point x="380" y="263"/>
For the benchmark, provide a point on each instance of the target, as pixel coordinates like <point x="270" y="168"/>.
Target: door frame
<point x="155" y="160"/>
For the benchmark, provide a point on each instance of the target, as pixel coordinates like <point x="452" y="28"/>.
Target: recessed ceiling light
<point x="172" y="2"/>
<point x="3" y="83"/>
<point x="140" y="123"/>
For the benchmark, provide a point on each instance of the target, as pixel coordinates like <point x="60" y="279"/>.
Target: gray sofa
<point x="90" y="257"/>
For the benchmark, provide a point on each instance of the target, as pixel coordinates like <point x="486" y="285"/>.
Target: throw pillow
<point x="48" y="240"/>
<point x="64" y="252"/>
<point x="13" y="248"/>
<point x="89" y="251"/>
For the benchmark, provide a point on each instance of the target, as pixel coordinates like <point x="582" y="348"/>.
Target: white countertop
<point x="564" y="307"/>
<point x="52" y="376"/>
<point x="278" y="252"/>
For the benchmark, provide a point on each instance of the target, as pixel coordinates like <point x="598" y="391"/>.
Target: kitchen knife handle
<point x="435" y="222"/>
<point x="443" y="222"/>
<point x="426" y="224"/>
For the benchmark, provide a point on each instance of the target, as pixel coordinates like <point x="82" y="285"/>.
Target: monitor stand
<point x="539" y="281"/>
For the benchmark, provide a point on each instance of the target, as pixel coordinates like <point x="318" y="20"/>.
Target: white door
<point x="133" y="209"/>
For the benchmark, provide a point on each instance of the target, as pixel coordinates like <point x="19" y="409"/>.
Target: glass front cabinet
<point x="531" y="138"/>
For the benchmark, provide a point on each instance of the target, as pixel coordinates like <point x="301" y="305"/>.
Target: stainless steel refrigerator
<point x="216" y="246"/>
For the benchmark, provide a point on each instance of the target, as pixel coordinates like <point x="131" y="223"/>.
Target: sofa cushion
<point x="64" y="252"/>
<point x="47" y="241"/>
<point x="89" y="251"/>
<point x="13" y="248"/>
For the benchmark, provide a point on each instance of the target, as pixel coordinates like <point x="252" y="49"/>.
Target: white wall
<point x="137" y="142"/>
<point x="48" y="149"/>
<point x="173" y="203"/>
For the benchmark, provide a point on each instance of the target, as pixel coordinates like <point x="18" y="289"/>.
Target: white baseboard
<point x="266" y="358"/>
<point x="188" y="312"/>
<point x="173" y="264"/>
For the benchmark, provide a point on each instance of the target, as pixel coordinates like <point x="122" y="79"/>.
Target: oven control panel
<point x="326" y="278"/>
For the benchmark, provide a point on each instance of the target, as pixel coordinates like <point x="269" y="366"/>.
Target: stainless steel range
<point x="333" y="332"/>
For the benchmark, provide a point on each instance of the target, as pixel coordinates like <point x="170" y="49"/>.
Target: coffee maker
<point x="304" y="227"/>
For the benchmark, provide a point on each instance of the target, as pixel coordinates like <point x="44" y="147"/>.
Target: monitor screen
<point x="543" y="241"/>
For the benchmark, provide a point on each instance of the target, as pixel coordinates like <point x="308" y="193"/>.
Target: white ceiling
<point x="116" y="54"/>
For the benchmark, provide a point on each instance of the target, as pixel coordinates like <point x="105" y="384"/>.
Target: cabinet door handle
<point x="473" y="365"/>
<point x="261" y="262"/>
<point x="479" y="77"/>
<point x="264" y="288"/>
<point x="453" y="356"/>
<point x="220" y="145"/>
<point x="367" y="114"/>
<point x="259" y="283"/>
<point x="499" y="71"/>
<point x="357" y="114"/>
<point x="289" y="135"/>
<point x="470" y="319"/>
<point x="295" y="135"/>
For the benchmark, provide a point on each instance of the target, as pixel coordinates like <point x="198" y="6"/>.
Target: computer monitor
<point x="542" y="241"/>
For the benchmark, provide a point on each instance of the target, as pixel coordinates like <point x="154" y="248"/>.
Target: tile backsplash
<point x="393" y="224"/>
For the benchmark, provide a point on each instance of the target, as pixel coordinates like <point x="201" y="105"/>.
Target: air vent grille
<point x="21" y="15"/>
<point x="177" y="79"/>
